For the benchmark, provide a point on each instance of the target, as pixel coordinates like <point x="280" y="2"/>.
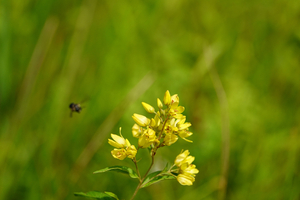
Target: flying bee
<point x="75" y="107"/>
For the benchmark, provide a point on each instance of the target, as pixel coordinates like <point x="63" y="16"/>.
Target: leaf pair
<point x="149" y="180"/>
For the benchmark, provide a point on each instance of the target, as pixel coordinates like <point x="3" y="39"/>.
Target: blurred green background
<point x="234" y="64"/>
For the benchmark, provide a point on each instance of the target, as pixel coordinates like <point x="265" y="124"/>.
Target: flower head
<point x="123" y="147"/>
<point x="119" y="154"/>
<point x="187" y="171"/>
<point x="131" y="151"/>
<point x="147" y="138"/>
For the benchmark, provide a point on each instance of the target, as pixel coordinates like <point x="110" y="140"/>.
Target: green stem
<point x="141" y="181"/>
<point x="163" y="127"/>
<point x="137" y="169"/>
<point x="152" y="162"/>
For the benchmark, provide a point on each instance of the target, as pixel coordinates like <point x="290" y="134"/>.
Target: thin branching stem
<point x="141" y="181"/>
<point x="137" y="169"/>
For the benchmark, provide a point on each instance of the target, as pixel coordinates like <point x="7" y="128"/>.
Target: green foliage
<point x="155" y="177"/>
<point x="100" y="50"/>
<point x="98" y="195"/>
<point x="121" y="169"/>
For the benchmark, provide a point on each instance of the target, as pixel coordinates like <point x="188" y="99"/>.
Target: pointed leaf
<point x="112" y="195"/>
<point x="97" y="195"/>
<point x="121" y="169"/>
<point x="156" y="177"/>
<point x="166" y="167"/>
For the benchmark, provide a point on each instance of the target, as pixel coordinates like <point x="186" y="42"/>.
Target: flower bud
<point x="153" y="123"/>
<point x="136" y="131"/>
<point x="141" y="120"/>
<point x="159" y="103"/>
<point x="184" y="179"/>
<point x="148" y="107"/>
<point x="167" y="98"/>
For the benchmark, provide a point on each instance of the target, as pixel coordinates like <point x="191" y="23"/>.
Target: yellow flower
<point x="124" y="147"/>
<point x="155" y="122"/>
<point x="119" y="154"/>
<point x="170" y="139"/>
<point x="131" y="151"/>
<point x="147" y="138"/>
<point x="118" y="142"/>
<point x="184" y="126"/>
<point x="176" y="110"/>
<point x="184" y="158"/>
<point x="167" y="98"/>
<point x="184" y="133"/>
<point x="171" y="126"/>
<point x="141" y="120"/>
<point x="136" y="131"/>
<point x="148" y="107"/>
<point x="189" y="169"/>
<point x="184" y="179"/>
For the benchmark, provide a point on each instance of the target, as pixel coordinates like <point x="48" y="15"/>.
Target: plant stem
<point x="141" y="180"/>
<point x="152" y="161"/>
<point x="136" y="190"/>
<point x="137" y="169"/>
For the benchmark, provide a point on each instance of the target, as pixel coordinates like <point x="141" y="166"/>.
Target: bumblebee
<point x="75" y="108"/>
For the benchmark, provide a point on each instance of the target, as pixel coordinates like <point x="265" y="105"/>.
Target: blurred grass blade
<point x="121" y="169"/>
<point x="210" y="57"/>
<point x="37" y="59"/>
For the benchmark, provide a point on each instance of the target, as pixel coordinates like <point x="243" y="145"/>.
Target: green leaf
<point x="97" y="195"/>
<point x="112" y="195"/>
<point x="121" y="169"/>
<point x="156" y="177"/>
<point x="166" y="167"/>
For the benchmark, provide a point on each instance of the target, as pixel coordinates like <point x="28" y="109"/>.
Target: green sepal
<point x="156" y="177"/>
<point x="97" y="195"/>
<point x="121" y="169"/>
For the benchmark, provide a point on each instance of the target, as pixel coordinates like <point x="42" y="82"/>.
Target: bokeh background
<point x="234" y="64"/>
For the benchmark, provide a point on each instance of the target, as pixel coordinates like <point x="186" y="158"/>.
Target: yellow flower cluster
<point x="186" y="170"/>
<point x="123" y="147"/>
<point x="165" y="127"/>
